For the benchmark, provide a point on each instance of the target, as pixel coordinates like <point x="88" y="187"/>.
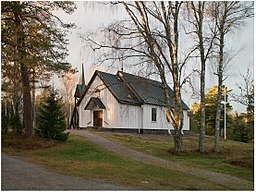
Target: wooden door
<point x="97" y="118"/>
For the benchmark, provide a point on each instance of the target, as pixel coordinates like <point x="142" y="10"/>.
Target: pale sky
<point x="90" y="17"/>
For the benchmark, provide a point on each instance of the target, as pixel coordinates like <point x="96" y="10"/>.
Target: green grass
<point x="79" y="157"/>
<point x="235" y="159"/>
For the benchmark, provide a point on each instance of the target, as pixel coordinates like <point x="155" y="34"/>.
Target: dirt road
<point x="17" y="174"/>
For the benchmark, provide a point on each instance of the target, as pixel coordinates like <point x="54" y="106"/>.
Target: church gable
<point x="115" y="85"/>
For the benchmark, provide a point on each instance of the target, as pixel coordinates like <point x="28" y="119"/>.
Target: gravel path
<point x="224" y="180"/>
<point x="18" y="174"/>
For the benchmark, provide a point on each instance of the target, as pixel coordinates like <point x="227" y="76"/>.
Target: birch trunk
<point x="202" y="78"/>
<point x="204" y="47"/>
<point x="202" y="112"/>
<point x="220" y="81"/>
<point x="178" y="115"/>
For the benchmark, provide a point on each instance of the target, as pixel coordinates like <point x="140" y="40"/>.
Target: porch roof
<point x="93" y="103"/>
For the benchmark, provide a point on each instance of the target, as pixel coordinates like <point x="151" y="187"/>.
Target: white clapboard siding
<point x="112" y="111"/>
<point x="111" y="115"/>
<point x="130" y="116"/>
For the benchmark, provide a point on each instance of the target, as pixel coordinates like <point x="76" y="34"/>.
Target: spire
<point x="81" y="79"/>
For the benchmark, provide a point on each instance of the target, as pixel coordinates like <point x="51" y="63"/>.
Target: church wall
<point x="123" y="116"/>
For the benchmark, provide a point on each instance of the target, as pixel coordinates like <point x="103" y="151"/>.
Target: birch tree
<point x="229" y="16"/>
<point x="151" y="34"/>
<point x="205" y="32"/>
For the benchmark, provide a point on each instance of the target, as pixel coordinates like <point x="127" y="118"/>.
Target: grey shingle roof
<point x="94" y="102"/>
<point x="118" y="88"/>
<point x="149" y="91"/>
<point x="133" y="90"/>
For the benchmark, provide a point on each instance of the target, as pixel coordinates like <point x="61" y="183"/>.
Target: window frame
<point x="155" y="115"/>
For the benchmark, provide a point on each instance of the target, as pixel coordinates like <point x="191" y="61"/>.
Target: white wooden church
<point x="122" y="102"/>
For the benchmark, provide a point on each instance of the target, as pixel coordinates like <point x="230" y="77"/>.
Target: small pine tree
<point x="51" y="119"/>
<point x="240" y="131"/>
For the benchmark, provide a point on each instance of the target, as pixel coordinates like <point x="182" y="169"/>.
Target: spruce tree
<point x="51" y="120"/>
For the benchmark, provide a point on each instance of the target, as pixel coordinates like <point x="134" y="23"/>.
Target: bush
<point x="51" y="119"/>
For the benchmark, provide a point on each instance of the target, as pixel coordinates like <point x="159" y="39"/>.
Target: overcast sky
<point x="90" y="17"/>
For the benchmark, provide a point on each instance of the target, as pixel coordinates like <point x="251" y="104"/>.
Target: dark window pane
<point x="153" y="114"/>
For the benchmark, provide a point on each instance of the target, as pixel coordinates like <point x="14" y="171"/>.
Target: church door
<point x="97" y="118"/>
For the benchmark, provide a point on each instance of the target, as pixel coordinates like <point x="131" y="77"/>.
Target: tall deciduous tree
<point x="229" y="15"/>
<point x="33" y="37"/>
<point x="151" y="34"/>
<point x="205" y="32"/>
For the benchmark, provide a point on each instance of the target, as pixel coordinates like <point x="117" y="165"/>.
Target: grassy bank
<point x="79" y="157"/>
<point x="235" y="159"/>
